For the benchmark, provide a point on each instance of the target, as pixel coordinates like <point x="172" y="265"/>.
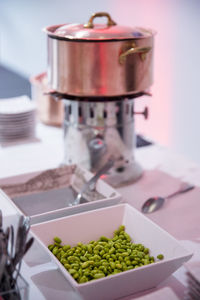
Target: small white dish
<point x="47" y="195"/>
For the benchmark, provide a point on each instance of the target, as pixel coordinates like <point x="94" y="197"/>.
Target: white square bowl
<point x="88" y="226"/>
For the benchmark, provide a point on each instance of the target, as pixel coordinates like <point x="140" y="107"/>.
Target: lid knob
<point x="90" y="24"/>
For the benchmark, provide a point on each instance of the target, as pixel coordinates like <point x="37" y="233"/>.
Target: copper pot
<point x="49" y="111"/>
<point x="99" y="59"/>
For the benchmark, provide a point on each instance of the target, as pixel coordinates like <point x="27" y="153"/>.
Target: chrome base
<point x="129" y="174"/>
<point x="94" y="132"/>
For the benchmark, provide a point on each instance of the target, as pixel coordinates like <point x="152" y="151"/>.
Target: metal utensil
<point x="154" y="203"/>
<point x="24" y="226"/>
<point x="90" y="185"/>
<point x="11" y="256"/>
<point x="3" y="255"/>
<point x="1" y="220"/>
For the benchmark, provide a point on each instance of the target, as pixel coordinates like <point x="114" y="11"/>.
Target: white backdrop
<point x="174" y="108"/>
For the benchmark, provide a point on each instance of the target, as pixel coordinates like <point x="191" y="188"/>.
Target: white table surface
<point x="47" y="152"/>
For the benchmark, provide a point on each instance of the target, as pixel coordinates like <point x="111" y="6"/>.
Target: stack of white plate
<point x="17" y="119"/>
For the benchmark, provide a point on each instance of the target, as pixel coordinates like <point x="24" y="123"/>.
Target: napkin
<point x="179" y="215"/>
<point x="164" y="293"/>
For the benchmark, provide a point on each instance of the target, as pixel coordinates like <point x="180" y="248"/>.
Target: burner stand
<point x="95" y="131"/>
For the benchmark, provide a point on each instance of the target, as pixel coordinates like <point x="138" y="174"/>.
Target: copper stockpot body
<point x="49" y="111"/>
<point x="99" y="60"/>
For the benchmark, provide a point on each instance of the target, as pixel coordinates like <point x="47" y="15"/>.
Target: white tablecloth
<point x="47" y="152"/>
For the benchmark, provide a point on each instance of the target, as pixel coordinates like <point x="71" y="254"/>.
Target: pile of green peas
<point x="102" y="258"/>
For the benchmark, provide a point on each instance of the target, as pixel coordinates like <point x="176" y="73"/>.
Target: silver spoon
<point x="90" y="185"/>
<point x="155" y="203"/>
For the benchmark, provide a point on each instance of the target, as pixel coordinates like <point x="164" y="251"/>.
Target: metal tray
<point x="46" y="195"/>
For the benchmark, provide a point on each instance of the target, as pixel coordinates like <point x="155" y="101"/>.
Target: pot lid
<point x="91" y="31"/>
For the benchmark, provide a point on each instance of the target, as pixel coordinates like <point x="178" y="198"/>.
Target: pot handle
<point x="141" y="50"/>
<point x="90" y="24"/>
<point x="145" y="113"/>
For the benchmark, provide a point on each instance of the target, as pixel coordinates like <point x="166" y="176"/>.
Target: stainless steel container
<point x="99" y="59"/>
<point x="97" y="131"/>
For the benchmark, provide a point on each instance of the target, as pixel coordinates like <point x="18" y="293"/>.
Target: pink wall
<point x="155" y="14"/>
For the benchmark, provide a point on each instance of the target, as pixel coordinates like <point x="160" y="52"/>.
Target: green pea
<point x="63" y="261"/>
<point x="55" y="250"/>
<point x="128" y="262"/>
<point x="67" y="266"/>
<point x="80" y="244"/>
<point x="83" y="252"/>
<point x="72" y="271"/>
<point x="91" y="262"/>
<point x="120" y="258"/>
<point x="72" y="259"/>
<point x="132" y="257"/>
<point x="102" y="252"/>
<point x="129" y="251"/>
<point x="58" y="256"/>
<point x="62" y="253"/>
<point x="104" y="239"/>
<point x="152" y="258"/>
<point x="140" y="247"/>
<point x="83" y="279"/>
<point x="58" y="245"/>
<point x="104" y="257"/>
<point x="57" y="240"/>
<point x="146" y="262"/>
<point x="137" y="258"/>
<point x="120" y="250"/>
<point x="83" y="258"/>
<point x="89" y="248"/>
<point x="99" y="275"/>
<point x="160" y="256"/>
<point x="96" y="257"/>
<point x="87" y="272"/>
<point x="76" y="275"/>
<point x="106" y="249"/>
<point x="113" y="256"/>
<point x="51" y="247"/>
<point x="121" y="228"/>
<point x="110" y="259"/>
<point x="118" y="266"/>
<point x="140" y="254"/>
<point x="116" y="271"/>
<point x="77" y="252"/>
<point x="117" y="246"/>
<point x="75" y="266"/>
<point x="125" y="254"/>
<point x="85" y="264"/>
